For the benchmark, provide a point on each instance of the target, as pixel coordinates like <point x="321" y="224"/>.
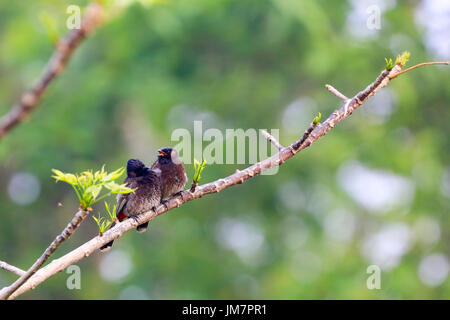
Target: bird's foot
<point x="135" y="218"/>
<point x="164" y="203"/>
<point x="179" y="193"/>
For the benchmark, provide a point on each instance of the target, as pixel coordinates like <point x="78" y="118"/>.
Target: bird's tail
<point x="142" y="227"/>
<point x="108" y="246"/>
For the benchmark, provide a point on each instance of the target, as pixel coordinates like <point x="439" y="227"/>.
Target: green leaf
<point x="389" y="64"/>
<point x="97" y="219"/>
<point x="111" y="214"/>
<point x="65" y="177"/>
<point x="82" y="182"/>
<point x="70" y="178"/>
<point x="58" y="174"/>
<point x="88" y="185"/>
<point x="198" y="169"/>
<point x="89" y="176"/>
<point x="114" y="175"/>
<point x="123" y="189"/>
<point x="403" y="58"/>
<point x="102" y="223"/>
<point x="93" y="191"/>
<point x="111" y="185"/>
<point x="50" y="26"/>
<point x="107" y="207"/>
<point x="99" y="175"/>
<point x="317" y="119"/>
<point x="105" y="225"/>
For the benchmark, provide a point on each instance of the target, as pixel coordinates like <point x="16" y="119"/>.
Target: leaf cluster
<point x="198" y="169"/>
<point x="89" y="185"/>
<point x="103" y="223"/>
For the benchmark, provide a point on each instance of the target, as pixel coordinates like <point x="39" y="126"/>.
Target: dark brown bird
<point x="146" y="197"/>
<point x="172" y="172"/>
<point x="172" y="175"/>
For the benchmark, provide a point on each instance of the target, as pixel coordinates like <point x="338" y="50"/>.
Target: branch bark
<point x="336" y="92"/>
<point x="58" y="61"/>
<point x="65" y="234"/>
<point x="193" y="186"/>
<point x="312" y="134"/>
<point x="272" y="139"/>
<point x="10" y="268"/>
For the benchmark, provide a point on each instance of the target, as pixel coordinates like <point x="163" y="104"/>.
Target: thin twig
<point x="65" y="234"/>
<point x="64" y="49"/>
<point x="193" y="186"/>
<point x="10" y="268"/>
<point x="336" y="92"/>
<point x="272" y="139"/>
<point x="416" y="66"/>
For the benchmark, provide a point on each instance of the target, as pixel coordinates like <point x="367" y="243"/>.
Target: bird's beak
<point x="161" y="153"/>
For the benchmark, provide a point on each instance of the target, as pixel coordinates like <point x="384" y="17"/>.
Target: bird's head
<point x="168" y="155"/>
<point x="135" y="168"/>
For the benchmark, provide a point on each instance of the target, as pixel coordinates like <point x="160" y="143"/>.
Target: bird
<point x="146" y="197"/>
<point x="171" y="170"/>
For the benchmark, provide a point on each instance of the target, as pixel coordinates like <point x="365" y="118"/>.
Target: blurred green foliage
<point x="233" y="64"/>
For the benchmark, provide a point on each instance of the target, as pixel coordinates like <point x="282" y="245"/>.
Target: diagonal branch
<point x="312" y="134"/>
<point x="65" y="234"/>
<point x="64" y="50"/>
<point x="10" y="268"/>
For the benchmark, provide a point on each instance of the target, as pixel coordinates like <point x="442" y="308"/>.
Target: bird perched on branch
<point x="171" y="170"/>
<point x="146" y="197"/>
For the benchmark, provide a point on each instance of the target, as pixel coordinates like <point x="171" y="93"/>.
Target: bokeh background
<point x="375" y="190"/>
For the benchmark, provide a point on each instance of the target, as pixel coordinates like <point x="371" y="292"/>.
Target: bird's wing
<point x="122" y="200"/>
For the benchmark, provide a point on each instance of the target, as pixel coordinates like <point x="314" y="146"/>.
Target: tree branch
<point x="10" y="268"/>
<point x="193" y="186"/>
<point x="65" y="234"/>
<point x="272" y="139"/>
<point x="416" y="66"/>
<point x="64" y="49"/>
<point x="312" y="134"/>
<point x="336" y="92"/>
